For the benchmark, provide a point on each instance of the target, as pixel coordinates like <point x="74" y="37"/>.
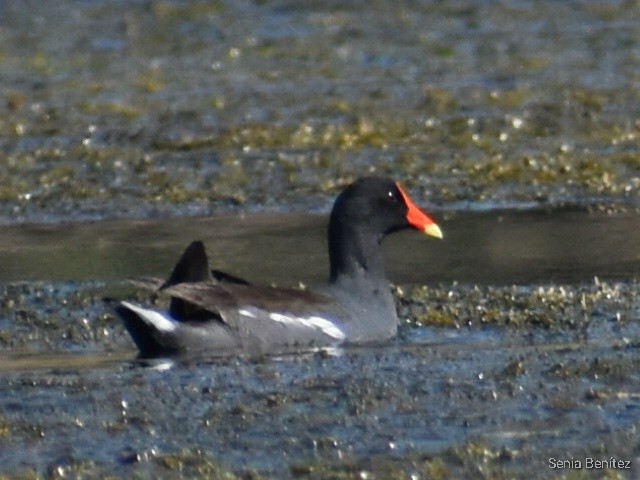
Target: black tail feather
<point x="193" y="266"/>
<point x="142" y="334"/>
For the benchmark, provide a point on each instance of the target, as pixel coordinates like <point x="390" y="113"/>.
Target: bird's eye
<point x="392" y="195"/>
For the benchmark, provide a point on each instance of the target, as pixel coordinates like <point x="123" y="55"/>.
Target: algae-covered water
<point x="128" y="129"/>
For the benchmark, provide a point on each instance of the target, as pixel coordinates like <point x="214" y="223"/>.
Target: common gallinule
<point x="217" y="313"/>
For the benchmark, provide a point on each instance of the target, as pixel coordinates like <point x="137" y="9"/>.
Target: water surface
<point x="75" y="399"/>
<point x="493" y="247"/>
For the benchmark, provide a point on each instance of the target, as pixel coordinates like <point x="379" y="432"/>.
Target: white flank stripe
<point x="246" y="313"/>
<point x="278" y="317"/>
<point x="159" y="320"/>
<point x="327" y="327"/>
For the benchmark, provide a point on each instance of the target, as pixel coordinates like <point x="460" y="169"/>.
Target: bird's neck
<point x="355" y="255"/>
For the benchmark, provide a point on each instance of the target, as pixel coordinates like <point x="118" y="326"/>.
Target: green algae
<point x="5" y="428"/>
<point x="24" y="475"/>
<point x="501" y="145"/>
<point x="118" y="109"/>
<point x="194" y="464"/>
<point x="486" y="159"/>
<point x="472" y="459"/>
<point x="553" y="307"/>
<point x="187" y="463"/>
<point x="174" y="13"/>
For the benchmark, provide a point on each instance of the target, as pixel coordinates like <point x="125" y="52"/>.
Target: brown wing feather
<point x="275" y="299"/>
<point x="204" y="300"/>
<point x="148" y="283"/>
<point x="207" y="295"/>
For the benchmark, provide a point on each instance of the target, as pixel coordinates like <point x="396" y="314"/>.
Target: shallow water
<point x="398" y="406"/>
<point x="506" y="399"/>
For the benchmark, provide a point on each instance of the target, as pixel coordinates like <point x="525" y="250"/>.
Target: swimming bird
<point x="212" y="312"/>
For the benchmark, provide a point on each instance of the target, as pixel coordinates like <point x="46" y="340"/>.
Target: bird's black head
<point x="366" y="211"/>
<point x="380" y="206"/>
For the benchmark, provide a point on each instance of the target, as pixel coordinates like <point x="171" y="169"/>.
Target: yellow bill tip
<point x="433" y="230"/>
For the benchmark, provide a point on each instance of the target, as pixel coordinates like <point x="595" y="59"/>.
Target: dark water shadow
<point x="479" y="247"/>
